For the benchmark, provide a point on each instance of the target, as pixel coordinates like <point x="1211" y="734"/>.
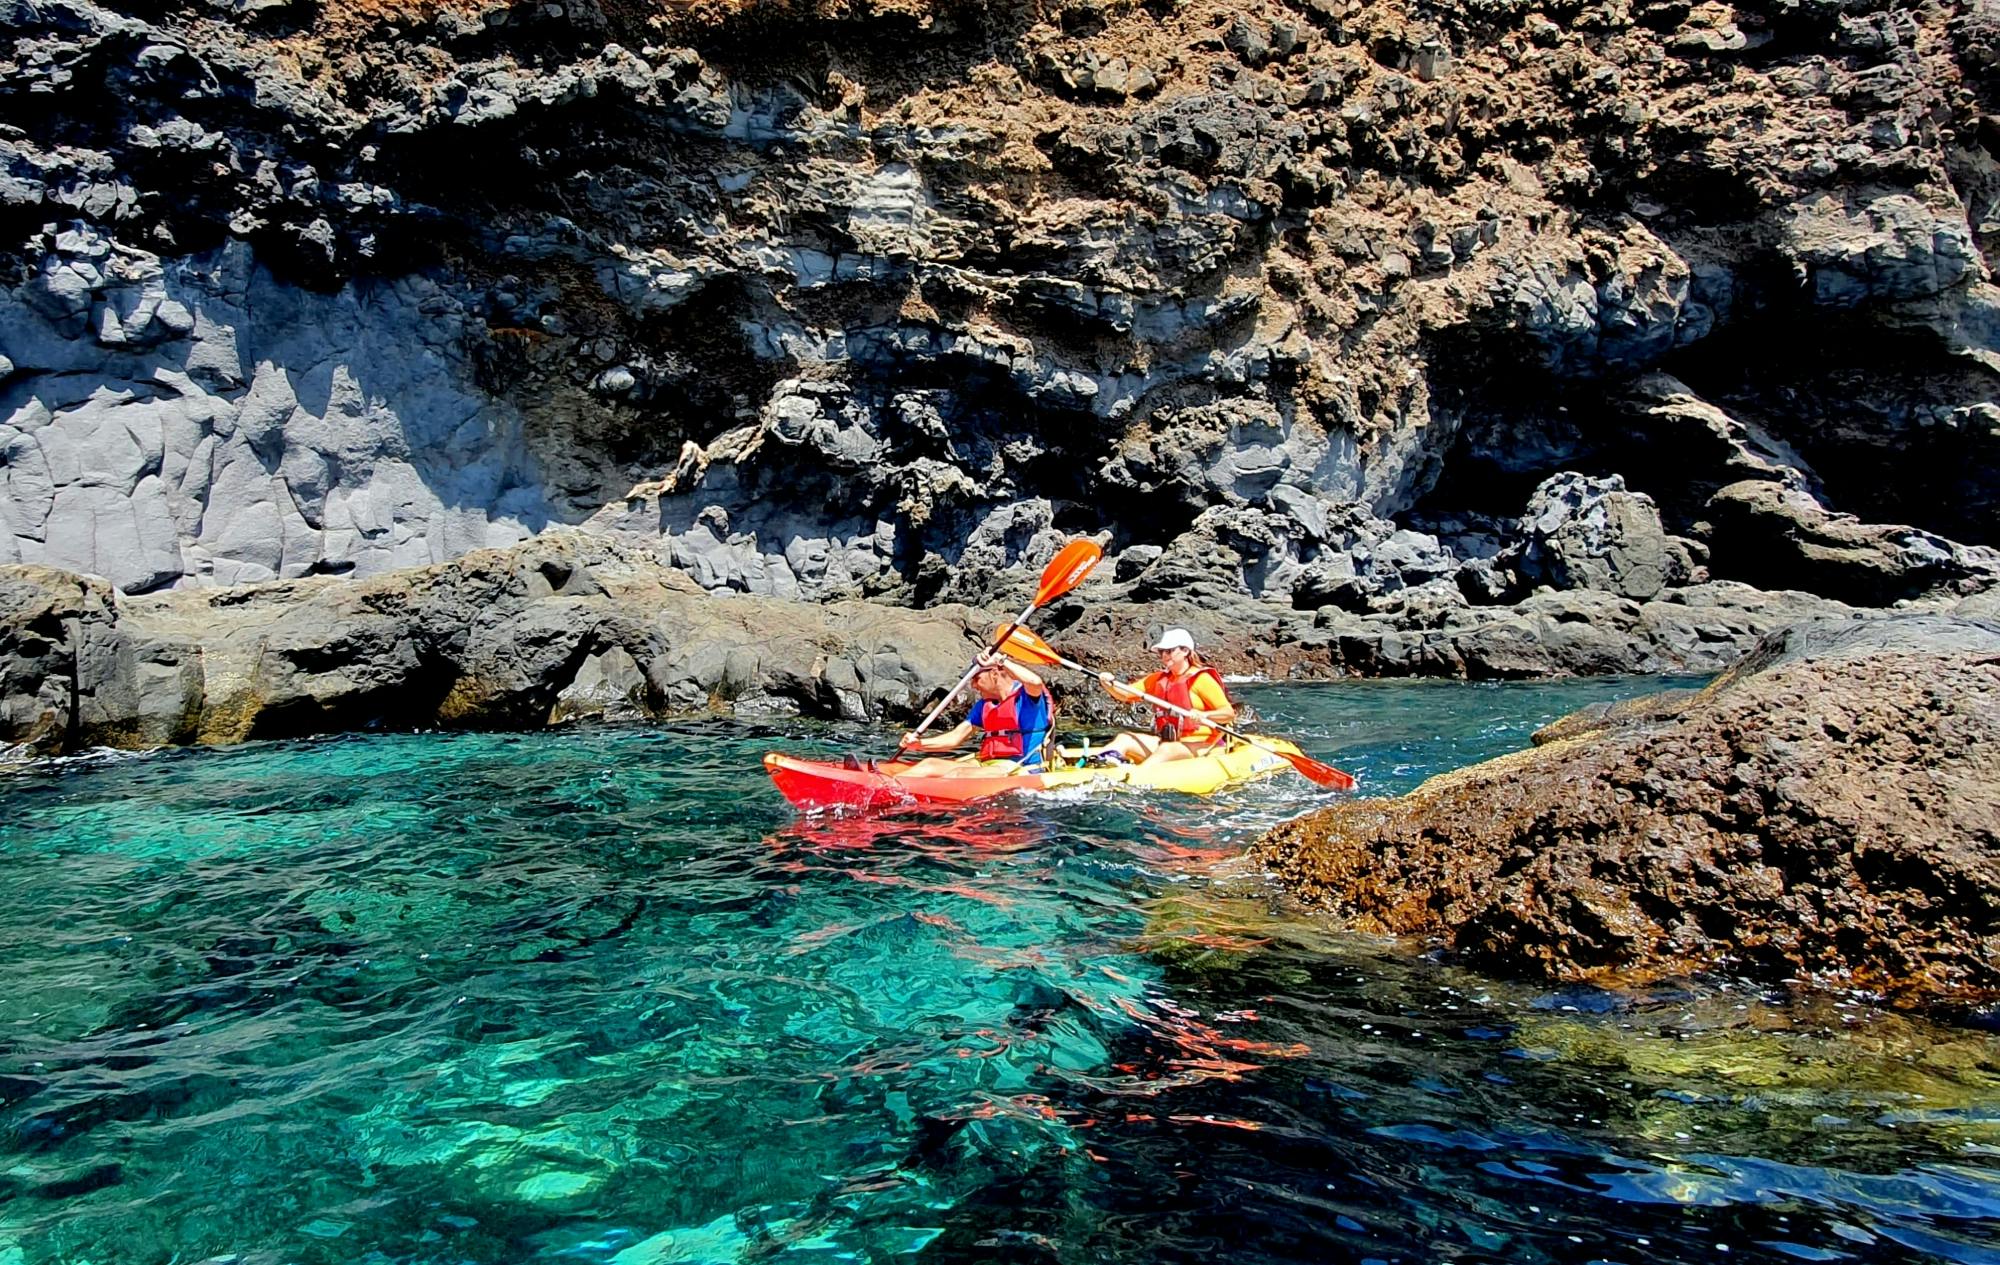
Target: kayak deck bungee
<point x="820" y="784"/>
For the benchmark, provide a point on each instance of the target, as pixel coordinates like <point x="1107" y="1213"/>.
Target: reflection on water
<point x="599" y="996"/>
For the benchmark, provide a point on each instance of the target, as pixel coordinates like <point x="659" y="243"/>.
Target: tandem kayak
<point x="821" y="784"/>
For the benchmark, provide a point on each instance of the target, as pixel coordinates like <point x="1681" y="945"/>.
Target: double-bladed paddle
<point x="1064" y="572"/>
<point x="1019" y="643"/>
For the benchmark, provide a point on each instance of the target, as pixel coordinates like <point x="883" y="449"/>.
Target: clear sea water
<point x="598" y="996"/>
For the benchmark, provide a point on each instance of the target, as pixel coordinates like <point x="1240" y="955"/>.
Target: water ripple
<point x="599" y="997"/>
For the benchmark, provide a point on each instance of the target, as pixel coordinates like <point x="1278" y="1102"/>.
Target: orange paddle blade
<point x="1023" y="646"/>
<point x="1067" y="569"/>
<point x="1322" y="773"/>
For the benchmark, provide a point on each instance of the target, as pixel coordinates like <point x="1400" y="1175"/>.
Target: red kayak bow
<point x="822" y="784"/>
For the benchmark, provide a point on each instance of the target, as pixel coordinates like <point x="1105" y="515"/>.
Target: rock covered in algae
<point x="1830" y="810"/>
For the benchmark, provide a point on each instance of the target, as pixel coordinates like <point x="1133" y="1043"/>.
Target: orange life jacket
<point x="1180" y="692"/>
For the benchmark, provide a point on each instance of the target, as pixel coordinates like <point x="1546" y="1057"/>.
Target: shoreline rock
<point x="572" y="625"/>
<point x="1828" y="811"/>
<point x="560" y="627"/>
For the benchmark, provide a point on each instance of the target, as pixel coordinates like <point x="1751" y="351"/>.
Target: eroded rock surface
<point x="560" y="627"/>
<point x="1828" y="810"/>
<point x="1767" y="534"/>
<point x="831" y="301"/>
<point x="571" y="625"/>
<point x="1582" y="533"/>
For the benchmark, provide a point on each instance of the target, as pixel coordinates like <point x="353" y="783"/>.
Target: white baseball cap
<point x="1175" y="639"/>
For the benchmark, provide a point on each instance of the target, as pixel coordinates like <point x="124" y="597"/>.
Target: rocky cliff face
<point x="827" y="300"/>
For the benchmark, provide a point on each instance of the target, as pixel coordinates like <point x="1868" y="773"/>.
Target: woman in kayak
<point x="1013" y="712"/>
<point x="1184" y="680"/>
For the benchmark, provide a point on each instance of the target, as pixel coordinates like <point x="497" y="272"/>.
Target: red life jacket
<point x="1180" y="692"/>
<point x="1006" y="737"/>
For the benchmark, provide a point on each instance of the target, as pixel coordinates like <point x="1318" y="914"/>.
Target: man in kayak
<point x="1184" y="680"/>
<point x="1013" y="712"/>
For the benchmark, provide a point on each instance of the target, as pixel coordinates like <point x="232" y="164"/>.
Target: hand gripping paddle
<point x="1018" y="643"/>
<point x="1065" y="571"/>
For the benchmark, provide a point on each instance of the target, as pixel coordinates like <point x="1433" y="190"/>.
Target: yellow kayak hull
<point x="1202" y="775"/>
<point x="820" y="784"/>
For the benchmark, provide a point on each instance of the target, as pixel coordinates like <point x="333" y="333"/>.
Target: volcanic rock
<point x="1772" y="536"/>
<point x="808" y="297"/>
<point x="54" y="633"/>
<point x="1584" y="533"/>
<point x="570" y="626"/>
<point x="560" y="627"/>
<point x="1830" y="810"/>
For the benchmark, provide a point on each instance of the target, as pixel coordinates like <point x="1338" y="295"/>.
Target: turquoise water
<point x="600" y="997"/>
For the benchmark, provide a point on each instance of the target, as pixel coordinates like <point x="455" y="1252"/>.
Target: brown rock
<point x="1831" y="810"/>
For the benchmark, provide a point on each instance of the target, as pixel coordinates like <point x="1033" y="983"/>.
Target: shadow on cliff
<point x="1872" y="421"/>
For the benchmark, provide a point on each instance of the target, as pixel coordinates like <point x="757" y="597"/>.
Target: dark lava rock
<point x="811" y="294"/>
<point x="1830" y="810"/>
<point x="1776" y="537"/>
<point x="1585" y="533"/>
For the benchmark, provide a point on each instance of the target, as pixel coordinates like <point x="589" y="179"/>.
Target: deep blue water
<point x="599" y="996"/>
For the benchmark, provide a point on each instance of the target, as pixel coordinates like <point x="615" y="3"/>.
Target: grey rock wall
<point x="198" y="420"/>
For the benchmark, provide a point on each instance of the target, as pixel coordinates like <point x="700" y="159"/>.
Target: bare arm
<point x="1029" y="680"/>
<point x="945" y="741"/>
<point x="1126" y="693"/>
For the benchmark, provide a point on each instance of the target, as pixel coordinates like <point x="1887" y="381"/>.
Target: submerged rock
<point x="1830" y="810"/>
